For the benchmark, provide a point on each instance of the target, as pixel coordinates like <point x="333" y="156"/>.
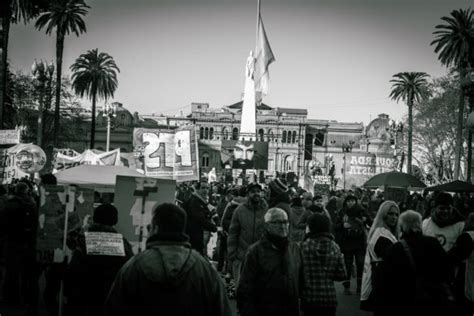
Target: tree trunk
<point x="59" y="63"/>
<point x="410" y="134"/>
<point x="469" y="141"/>
<point x="39" y="134"/>
<point x="93" y="121"/>
<point x="6" y="17"/>
<point x="459" y="140"/>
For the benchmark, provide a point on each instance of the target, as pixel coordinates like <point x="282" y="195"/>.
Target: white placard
<point x="9" y="136"/>
<point x="104" y="244"/>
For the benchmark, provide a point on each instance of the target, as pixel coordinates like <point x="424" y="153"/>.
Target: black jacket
<point x="19" y="220"/>
<point x="198" y="220"/>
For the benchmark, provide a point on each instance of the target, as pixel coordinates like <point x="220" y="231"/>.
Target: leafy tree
<point x="94" y="75"/>
<point x="64" y="16"/>
<point x="410" y="87"/>
<point x="454" y="44"/>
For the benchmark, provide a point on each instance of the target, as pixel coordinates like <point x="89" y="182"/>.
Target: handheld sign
<point x="104" y="244"/>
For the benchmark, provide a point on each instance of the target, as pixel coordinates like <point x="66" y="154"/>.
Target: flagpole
<point x="258" y="25"/>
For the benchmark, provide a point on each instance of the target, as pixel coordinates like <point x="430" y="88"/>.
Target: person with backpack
<point x="351" y="225"/>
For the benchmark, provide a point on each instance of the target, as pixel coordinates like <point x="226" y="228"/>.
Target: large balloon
<point x="30" y="158"/>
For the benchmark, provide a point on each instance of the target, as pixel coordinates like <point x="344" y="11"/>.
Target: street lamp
<point x="109" y="111"/>
<point x="467" y="86"/>
<point x="42" y="73"/>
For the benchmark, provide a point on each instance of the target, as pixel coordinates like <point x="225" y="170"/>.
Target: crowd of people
<point x="280" y="251"/>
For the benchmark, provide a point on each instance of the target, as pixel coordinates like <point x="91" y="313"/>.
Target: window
<point x="206" y="133"/>
<point x="235" y="133"/>
<point x="224" y="134"/>
<point x="288" y="137"/>
<point x="205" y="160"/>
<point x="283" y="138"/>
<point x="260" y="135"/>
<point x="201" y="133"/>
<point x="319" y="139"/>
<point x="211" y="133"/>
<point x="293" y="140"/>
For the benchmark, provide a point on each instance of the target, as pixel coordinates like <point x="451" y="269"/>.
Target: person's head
<point x="296" y="201"/>
<point x="253" y="192"/>
<point x="307" y="199"/>
<point x="244" y="154"/>
<point x="318" y="200"/>
<point x="21" y="188"/>
<point x="278" y="191"/>
<point x="350" y="201"/>
<point x="168" y="219"/>
<point x="202" y="188"/>
<point x="443" y="206"/>
<point x="105" y="214"/>
<point x="276" y="222"/>
<point x="410" y="222"/>
<point x="319" y="223"/>
<point x="469" y="224"/>
<point x="387" y="216"/>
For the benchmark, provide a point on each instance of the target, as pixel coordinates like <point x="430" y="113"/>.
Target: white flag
<point x="263" y="58"/>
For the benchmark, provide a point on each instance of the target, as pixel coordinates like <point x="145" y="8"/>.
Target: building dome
<point x="379" y="128"/>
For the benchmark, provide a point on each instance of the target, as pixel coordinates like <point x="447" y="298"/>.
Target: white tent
<point x="100" y="178"/>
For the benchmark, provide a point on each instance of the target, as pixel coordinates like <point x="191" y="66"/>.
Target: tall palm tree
<point x="410" y="87"/>
<point x="454" y="44"/>
<point x="13" y="11"/>
<point x="94" y="75"/>
<point x="65" y="16"/>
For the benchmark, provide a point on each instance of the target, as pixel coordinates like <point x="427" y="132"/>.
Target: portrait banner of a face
<point x="245" y="154"/>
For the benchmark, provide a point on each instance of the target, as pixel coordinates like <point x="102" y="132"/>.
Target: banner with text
<point x="168" y="154"/>
<point x="360" y="167"/>
<point x="9" y="136"/>
<point x="245" y="154"/>
<point x="88" y="157"/>
<point x="20" y="161"/>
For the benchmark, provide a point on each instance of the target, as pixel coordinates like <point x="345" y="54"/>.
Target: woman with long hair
<point x="383" y="233"/>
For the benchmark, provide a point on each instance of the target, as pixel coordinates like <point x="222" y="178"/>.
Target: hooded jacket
<point x="445" y="230"/>
<point x="168" y="278"/>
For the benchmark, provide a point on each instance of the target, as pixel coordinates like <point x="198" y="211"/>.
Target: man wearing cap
<point x="270" y="277"/>
<point x="169" y="277"/>
<point x="445" y="222"/>
<point x="246" y="227"/>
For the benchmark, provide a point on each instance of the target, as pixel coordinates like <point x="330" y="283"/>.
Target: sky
<point x="334" y="58"/>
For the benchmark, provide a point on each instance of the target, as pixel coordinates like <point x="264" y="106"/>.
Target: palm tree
<point x="94" y="75"/>
<point x="455" y="45"/>
<point x="65" y="16"/>
<point x="410" y="87"/>
<point x="13" y="11"/>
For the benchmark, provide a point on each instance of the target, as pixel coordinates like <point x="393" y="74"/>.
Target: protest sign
<point x="245" y="154"/>
<point x="88" y="157"/>
<point x="20" y="161"/>
<point x="322" y="185"/>
<point x="168" y="154"/>
<point x="104" y="244"/>
<point x="135" y="198"/>
<point x="55" y="201"/>
<point x="9" y="136"/>
<point x="360" y="167"/>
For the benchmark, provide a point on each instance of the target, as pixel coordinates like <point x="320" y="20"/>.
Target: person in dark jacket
<point x="399" y="275"/>
<point x="269" y="282"/>
<point x="279" y="195"/>
<point x="199" y="218"/>
<point x="20" y="222"/>
<point x="322" y="263"/>
<point x="169" y="277"/>
<point x="91" y="272"/>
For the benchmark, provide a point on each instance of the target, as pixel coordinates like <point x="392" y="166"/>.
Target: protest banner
<point x="245" y="154"/>
<point x="104" y="244"/>
<point x="20" y="161"/>
<point x="360" y="167"/>
<point x="9" y="136"/>
<point x="88" y="157"/>
<point x="168" y="154"/>
<point x="55" y="201"/>
<point x="322" y="185"/>
<point x="135" y="198"/>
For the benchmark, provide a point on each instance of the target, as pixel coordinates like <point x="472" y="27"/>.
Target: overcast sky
<point x="334" y="58"/>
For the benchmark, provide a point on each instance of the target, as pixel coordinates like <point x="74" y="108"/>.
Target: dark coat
<point x="168" y="278"/>
<point x="398" y="278"/>
<point x="19" y="220"/>
<point x="197" y="222"/>
<point x="89" y="277"/>
<point x="269" y="280"/>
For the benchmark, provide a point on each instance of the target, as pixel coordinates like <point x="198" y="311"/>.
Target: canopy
<point x="95" y="176"/>
<point x="455" y="186"/>
<point x="394" y="180"/>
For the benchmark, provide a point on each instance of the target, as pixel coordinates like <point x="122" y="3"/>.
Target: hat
<point x="319" y="223"/>
<point x="106" y="214"/>
<point x="277" y="186"/>
<point x="443" y="198"/>
<point x="252" y="186"/>
<point x="169" y="218"/>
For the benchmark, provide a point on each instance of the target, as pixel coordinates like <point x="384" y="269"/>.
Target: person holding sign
<point x="99" y="254"/>
<point x="169" y="277"/>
